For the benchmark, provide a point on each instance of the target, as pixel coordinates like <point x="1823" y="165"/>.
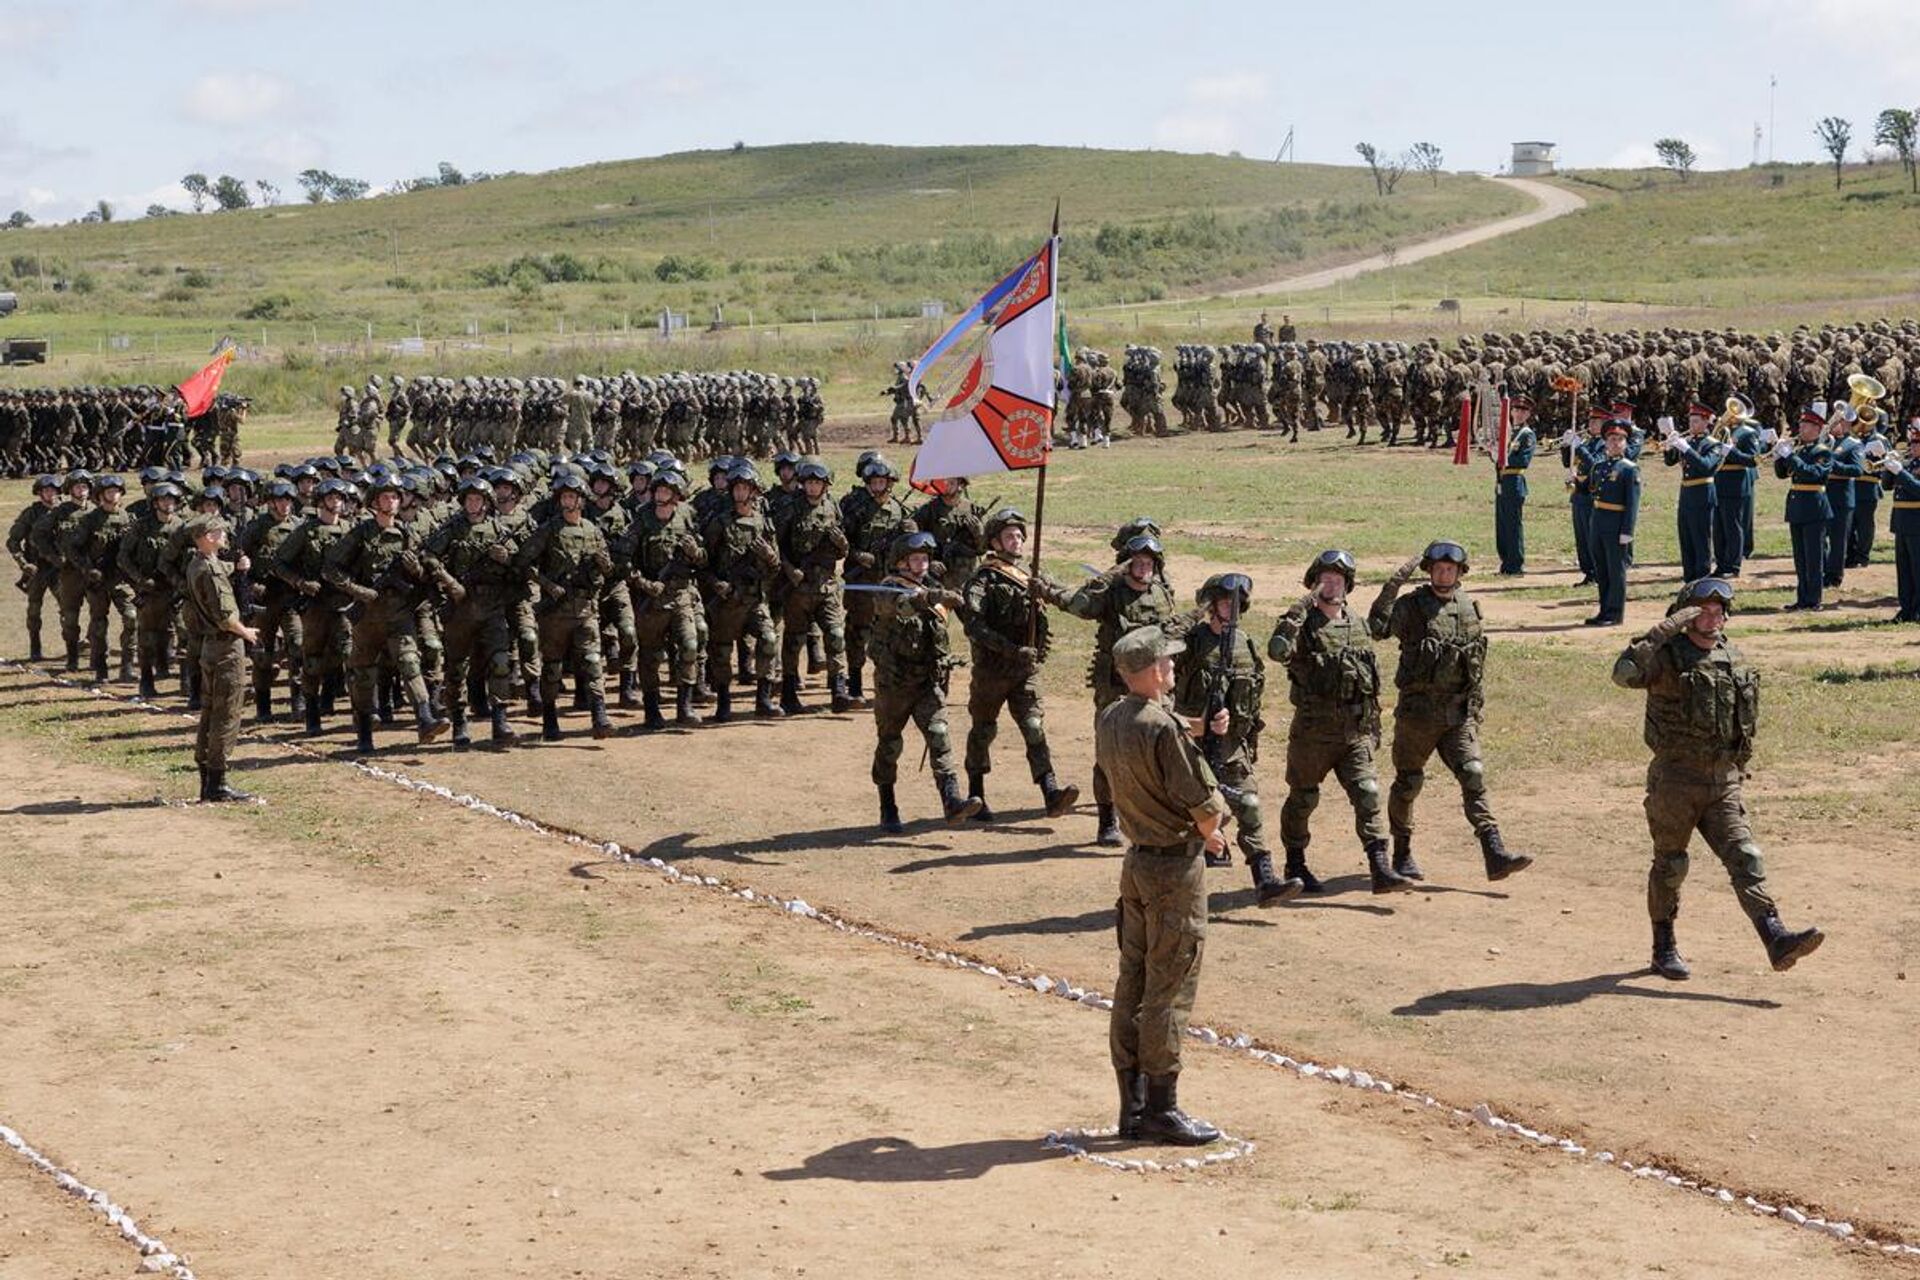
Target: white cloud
<point x="1215" y="112"/>
<point x="1196" y="131"/>
<point x="1840" y="26"/>
<point x="622" y="104"/>
<point x="39" y="198"/>
<point x="1231" y="89"/>
<point x="239" y="97"/>
<point x="288" y="151"/>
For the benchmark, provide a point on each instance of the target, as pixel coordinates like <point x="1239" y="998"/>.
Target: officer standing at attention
<point x="1578" y="456"/>
<point x="1169" y="809"/>
<point x="1510" y="493"/>
<point x="223" y="656"/>
<point x="1805" y="466"/>
<point x="1703" y="709"/>
<point x="1698" y="455"/>
<point x="1897" y="475"/>
<point x="1614" y="483"/>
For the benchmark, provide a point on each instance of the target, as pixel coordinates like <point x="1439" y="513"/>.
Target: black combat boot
<point x="35" y="653"/>
<point x="147" y="687"/>
<point x="216" y="791"/>
<point x="363" y="733"/>
<point x="1270" y="890"/>
<point x="383" y="700"/>
<point x="536" y="700"/>
<point x="790" y="694"/>
<point x="1500" y="863"/>
<point x="890" y="813"/>
<point x="206" y="781"/>
<point x="1057" y="798"/>
<point x="100" y="669"/>
<point x="722" y="700"/>
<point x="314" y="727"/>
<point x="1133" y="1100"/>
<point x="332" y="685"/>
<point x="263" y="704"/>
<point x="842" y="700"/>
<point x="73" y="660"/>
<point x="956" y="806"/>
<point x="627" y="701"/>
<point x="1385" y="878"/>
<point x="190" y="677"/>
<point x="856" y="690"/>
<point x="1296" y="869"/>
<point x="1164" y="1122"/>
<point x="503" y="735"/>
<point x="427" y="723"/>
<point x="582" y="700"/>
<point x="650" y="698"/>
<point x="977" y="790"/>
<point x="763" y="704"/>
<point x="683" y="712"/>
<point x="549" y="722"/>
<point x="1785" y="946"/>
<point x="1107" y="834"/>
<point x="462" y="740"/>
<point x="1666" y="954"/>
<point x="602" y="727"/>
<point x="1403" y="863"/>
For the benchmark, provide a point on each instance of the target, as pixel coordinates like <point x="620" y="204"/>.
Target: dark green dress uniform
<point x="1733" y="486"/>
<point x="1808" y="513"/>
<point x="1866" y="501"/>
<point x="223" y="661"/>
<point x="743" y="562"/>
<point x="1204" y="668"/>
<point x="1579" y="459"/>
<point x="1009" y="640"/>
<point x="1615" y="486"/>
<point x="381" y="571"/>
<point x="912" y="661"/>
<point x="477" y="555"/>
<point x="1510" y="501"/>
<point x="1698" y="504"/>
<point x="325" y="636"/>
<point x="569" y="562"/>
<point x="1703" y="710"/>
<point x="1848" y="465"/>
<point x="1117" y="605"/>
<point x="278" y="622"/>
<point x="1903" y="491"/>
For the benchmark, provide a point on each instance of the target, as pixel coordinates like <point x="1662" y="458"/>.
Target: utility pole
<point x="1773" y="83"/>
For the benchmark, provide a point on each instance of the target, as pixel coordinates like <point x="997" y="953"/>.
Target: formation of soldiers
<point x="114" y="428"/>
<point x="741" y="413"/>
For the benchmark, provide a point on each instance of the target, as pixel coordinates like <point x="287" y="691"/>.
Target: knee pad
<point x="1410" y="780"/>
<point x="1473" y="776"/>
<point x="1307" y="798"/>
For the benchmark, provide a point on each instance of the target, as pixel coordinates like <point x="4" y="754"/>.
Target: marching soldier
<point x="1614" y="482"/>
<point x="1009" y="640"/>
<point x="743" y="563"/>
<point x="1699" y="456"/>
<point x="472" y="556"/>
<point x="1806" y="466"/>
<point x="912" y="664"/>
<point x="955" y="522"/>
<point x="36" y="576"/>
<point x="569" y="561"/>
<point x="1578" y="456"/>
<point x="49" y="539"/>
<point x="1703" y="708"/>
<point x="223" y="656"/>
<point x="92" y="549"/>
<point x="1441" y="678"/>
<point x="811" y="544"/>
<point x="1903" y="489"/>
<point x="663" y="553"/>
<point x="324" y="633"/>
<point x="1218" y="685"/>
<point x="1510" y="493"/>
<point x="872" y="518"/>
<point x="1333" y="682"/>
<point x="279" y="607"/>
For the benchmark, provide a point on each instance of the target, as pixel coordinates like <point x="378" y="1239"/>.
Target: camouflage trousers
<point x="1681" y="801"/>
<point x="1414" y="741"/>
<point x="619" y="630"/>
<point x="526" y="639"/>
<point x="153" y="623"/>
<point x="39" y="584"/>
<point x="102" y="603"/>
<point x="731" y="619"/>
<point x="1162" y="928"/>
<point x="921" y="703"/>
<point x="570" y="639"/>
<point x="1314" y="751"/>
<point x="804" y="607"/>
<point x="476" y="634"/>
<point x="223" y="684"/>
<point x="1249" y="822"/>
<point x="71" y="594"/>
<point x="667" y="628"/>
<point x="860" y="608"/>
<point x="992" y="688"/>
<point x="385" y="631"/>
<point x="280" y="641"/>
<point x="324" y="638"/>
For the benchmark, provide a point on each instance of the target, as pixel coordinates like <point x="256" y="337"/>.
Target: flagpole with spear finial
<point x="1040" y="482"/>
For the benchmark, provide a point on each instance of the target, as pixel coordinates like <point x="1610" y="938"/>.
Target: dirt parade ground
<point x="361" y="1029"/>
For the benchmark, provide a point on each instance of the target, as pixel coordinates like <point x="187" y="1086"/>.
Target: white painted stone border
<point x="1073" y="1142"/>
<point x="1044" y="985"/>
<point x="154" y="1254"/>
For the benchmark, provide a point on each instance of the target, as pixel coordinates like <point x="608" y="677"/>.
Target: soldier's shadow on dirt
<point x="901" y="1160"/>
<point x="676" y="848"/>
<point x="1217" y="903"/>
<point x="74" y="807"/>
<point x="1507" y="997"/>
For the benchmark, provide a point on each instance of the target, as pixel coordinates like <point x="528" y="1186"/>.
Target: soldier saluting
<point x="1703" y="710"/>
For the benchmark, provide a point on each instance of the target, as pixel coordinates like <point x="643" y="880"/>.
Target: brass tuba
<point x="1865" y="388"/>
<point x="1738" y="410"/>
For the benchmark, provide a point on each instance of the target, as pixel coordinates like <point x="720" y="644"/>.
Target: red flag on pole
<point x="1463" y="439"/>
<point x="199" y="390"/>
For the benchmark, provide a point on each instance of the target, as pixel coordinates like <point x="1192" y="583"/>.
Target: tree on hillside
<point x="1834" y="134"/>
<point x="159" y="211"/>
<point x="105" y="210"/>
<point x="316" y="183"/>
<point x="269" y="192"/>
<point x="1899" y="128"/>
<point x="345" y="189"/>
<point x="450" y="176"/>
<point x="197" y="188"/>
<point x="1386" y="173"/>
<point x="231" y="193"/>
<point x="1426" y="158"/>
<point x="1371" y="155"/>
<point x="20" y="219"/>
<point x="1677" y="156"/>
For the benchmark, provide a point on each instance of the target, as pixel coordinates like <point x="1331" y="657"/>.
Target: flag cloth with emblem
<point x="992" y="375"/>
<point x="199" y="390"/>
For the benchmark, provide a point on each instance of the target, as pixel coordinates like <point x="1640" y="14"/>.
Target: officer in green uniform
<point x="1510" y="488"/>
<point x="742" y="563"/>
<point x="324" y="632"/>
<point x="1333" y="682"/>
<point x="223" y="656"/>
<point x="1806" y="465"/>
<point x="662" y="552"/>
<point x="1703" y="710"/>
<point x="279" y="613"/>
<point x="811" y="544"/>
<point x="1733" y="495"/>
<point x="91" y="548"/>
<point x="1442" y="682"/>
<point x="1699" y="457"/>
<point x="1578" y="456"/>
<point x="912" y="661"/>
<point x="472" y="555"/>
<point x="1218" y="685"/>
<point x="1008" y="636"/>
<point x="569" y="561"/>
<point x="1903" y="491"/>
<point x="36" y="577"/>
<point x="1614" y="482"/>
<point x="1170" y="810"/>
<point x="1866" y="488"/>
<point x="377" y="565"/>
<point x="1134" y="593"/>
<point x="1847" y="463"/>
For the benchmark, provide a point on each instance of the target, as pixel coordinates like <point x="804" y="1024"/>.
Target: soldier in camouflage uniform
<point x="1703" y="710"/>
<point x="569" y="560"/>
<point x="36" y="576"/>
<point x="1442" y="682"/>
<point x="325" y="636"/>
<point x="223" y="656"/>
<point x="955" y="522"/>
<point x="92" y="548"/>
<point x="872" y="517"/>
<point x="278" y="605"/>
<point x="472" y="554"/>
<point x="743" y="561"/>
<point x="1008" y="636"/>
<point x="811" y="544"/>
<point x="1333" y="683"/>
<point x="912" y="664"/>
<point x="664" y="551"/>
<point x="50" y="533"/>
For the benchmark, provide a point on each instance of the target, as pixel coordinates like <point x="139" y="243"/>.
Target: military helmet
<point x="281" y="489"/>
<point x="79" y="475"/>
<point x="506" y="475"/>
<point x="639" y="467"/>
<point x="212" y="493"/>
<point x="152" y="475"/>
<point x="1700" y="591"/>
<point x="305" y="471"/>
<point x="474" y="484"/>
<point x="865" y="460"/>
<point x="45" y="481"/>
<point x="813" y="469"/>
<point x="1332" y="558"/>
<point x="1143" y="543"/>
<point x="905" y="544"/>
<point x="1443" y="551"/>
<point x="1133" y="529"/>
<point x="880" y="467"/>
<point x="166" y="489"/>
<point x="565" y="477"/>
<point x="720" y="465"/>
<point x="744" y="471"/>
<point x="1221" y="585"/>
<point x="333" y="486"/>
<point x="785" y="458"/>
<point x="1004" y="519"/>
<point x="673" y="478"/>
<point x="380" y="480"/>
<point x="109" y="481"/>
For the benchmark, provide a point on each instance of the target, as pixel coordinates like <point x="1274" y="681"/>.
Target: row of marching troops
<point x="114" y="428"/>
<point x="741" y="413"/>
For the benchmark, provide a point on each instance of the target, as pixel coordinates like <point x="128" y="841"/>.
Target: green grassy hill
<point x="790" y="233"/>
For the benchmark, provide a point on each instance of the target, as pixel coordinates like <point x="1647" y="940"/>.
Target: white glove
<point x="1767" y="436"/>
<point x="1680" y="443"/>
<point x="1876" y="449"/>
<point x="1783" y="449"/>
<point x="1569" y="439"/>
<point x="1571" y="475"/>
<point x="1893" y="465"/>
<point x="1665" y="423"/>
<point x="1626" y="539"/>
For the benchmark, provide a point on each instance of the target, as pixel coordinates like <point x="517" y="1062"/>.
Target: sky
<point x="116" y="99"/>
